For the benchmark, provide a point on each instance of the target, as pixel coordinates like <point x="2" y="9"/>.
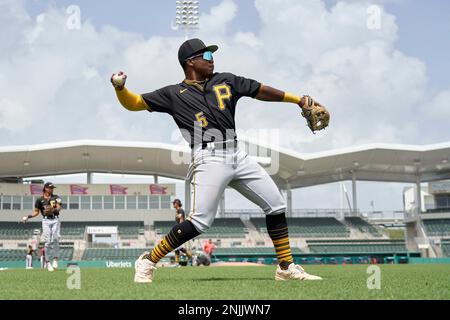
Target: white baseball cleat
<point x="143" y="269"/>
<point x="49" y="267"/>
<point x="294" y="272"/>
<point x="55" y="264"/>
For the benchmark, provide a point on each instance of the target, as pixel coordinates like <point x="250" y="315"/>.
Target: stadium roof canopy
<point x="375" y="162"/>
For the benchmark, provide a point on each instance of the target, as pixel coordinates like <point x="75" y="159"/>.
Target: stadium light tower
<point x="187" y="16"/>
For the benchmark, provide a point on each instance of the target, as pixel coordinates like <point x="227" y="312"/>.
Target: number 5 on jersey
<point x="223" y="93"/>
<point x="202" y="119"/>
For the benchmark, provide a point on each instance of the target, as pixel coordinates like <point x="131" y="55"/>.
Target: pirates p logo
<point x="223" y="93"/>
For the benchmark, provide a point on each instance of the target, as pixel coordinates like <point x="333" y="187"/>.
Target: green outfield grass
<point x="227" y="283"/>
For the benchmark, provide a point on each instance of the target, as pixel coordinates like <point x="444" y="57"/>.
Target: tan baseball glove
<point x="316" y="115"/>
<point x="50" y="209"/>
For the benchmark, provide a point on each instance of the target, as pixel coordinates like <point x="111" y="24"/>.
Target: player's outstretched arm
<point x="267" y="93"/>
<point x="128" y="99"/>
<point x="33" y="215"/>
<point x="316" y="115"/>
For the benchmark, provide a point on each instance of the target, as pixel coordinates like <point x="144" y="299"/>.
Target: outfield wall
<point x="65" y="264"/>
<point x="267" y="259"/>
<point x="430" y="260"/>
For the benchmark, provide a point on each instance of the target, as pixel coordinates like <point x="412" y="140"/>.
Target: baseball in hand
<point x="24" y="219"/>
<point x="118" y="79"/>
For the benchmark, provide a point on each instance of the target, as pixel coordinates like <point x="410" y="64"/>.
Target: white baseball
<point x="119" y="80"/>
<point x="24" y="218"/>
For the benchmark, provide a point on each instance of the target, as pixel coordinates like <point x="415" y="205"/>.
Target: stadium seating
<point x="437" y="227"/>
<point x="250" y="251"/>
<point x="309" y="227"/>
<point x="72" y="230"/>
<point x="65" y="254"/>
<point x="163" y="227"/>
<point x="445" y="245"/>
<point x="112" y="254"/>
<point x="438" y="210"/>
<point x="221" y="227"/>
<point x="69" y="230"/>
<point x="363" y="226"/>
<point x="357" y="246"/>
<point x="18" y="231"/>
<point x="226" y="228"/>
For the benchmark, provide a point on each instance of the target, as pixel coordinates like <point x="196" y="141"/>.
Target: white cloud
<point x="440" y="106"/>
<point x="215" y="22"/>
<point x="12" y="115"/>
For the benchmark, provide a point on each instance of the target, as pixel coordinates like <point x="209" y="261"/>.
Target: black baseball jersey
<point x="210" y="105"/>
<point x="42" y="203"/>
<point x="180" y="213"/>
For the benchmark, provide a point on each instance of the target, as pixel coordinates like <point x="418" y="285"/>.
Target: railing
<point x="322" y="213"/>
<point x="296" y="213"/>
<point x="386" y="215"/>
<point x="438" y="210"/>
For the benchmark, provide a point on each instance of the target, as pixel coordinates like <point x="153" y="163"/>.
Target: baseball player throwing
<point x="179" y="218"/>
<point x="203" y="106"/>
<point x="49" y="205"/>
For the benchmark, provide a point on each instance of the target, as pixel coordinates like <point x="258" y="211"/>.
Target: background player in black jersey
<point x="49" y="205"/>
<point x="179" y="218"/>
<point x="29" y="257"/>
<point x="203" y="106"/>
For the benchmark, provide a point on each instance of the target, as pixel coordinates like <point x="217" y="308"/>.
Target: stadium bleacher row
<point x="445" y="246"/>
<point x="363" y="226"/>
<point x="357" y="246"/>
<point x="221" y="227"/>
<point x="69" y="230"/>
<point x="14" y="230"/>
<point x="437" y="227"/>
<point x="252" y="250"/>
<point x="112" y="254"/>
<point x="310" y="227"/>
<point x="65" y="254"/>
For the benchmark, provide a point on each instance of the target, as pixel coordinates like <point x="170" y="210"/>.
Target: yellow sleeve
<point x="289" y="97"/>
<point x="131" y="101"/>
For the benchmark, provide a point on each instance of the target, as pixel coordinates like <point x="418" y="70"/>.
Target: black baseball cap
<point x="49" y="185"/>
<point x="192" y="47"/>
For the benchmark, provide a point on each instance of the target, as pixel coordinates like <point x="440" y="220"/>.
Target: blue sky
<point x="424" y="33"/>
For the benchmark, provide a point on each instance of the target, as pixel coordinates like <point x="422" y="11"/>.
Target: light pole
<point x="187" y="16"/>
